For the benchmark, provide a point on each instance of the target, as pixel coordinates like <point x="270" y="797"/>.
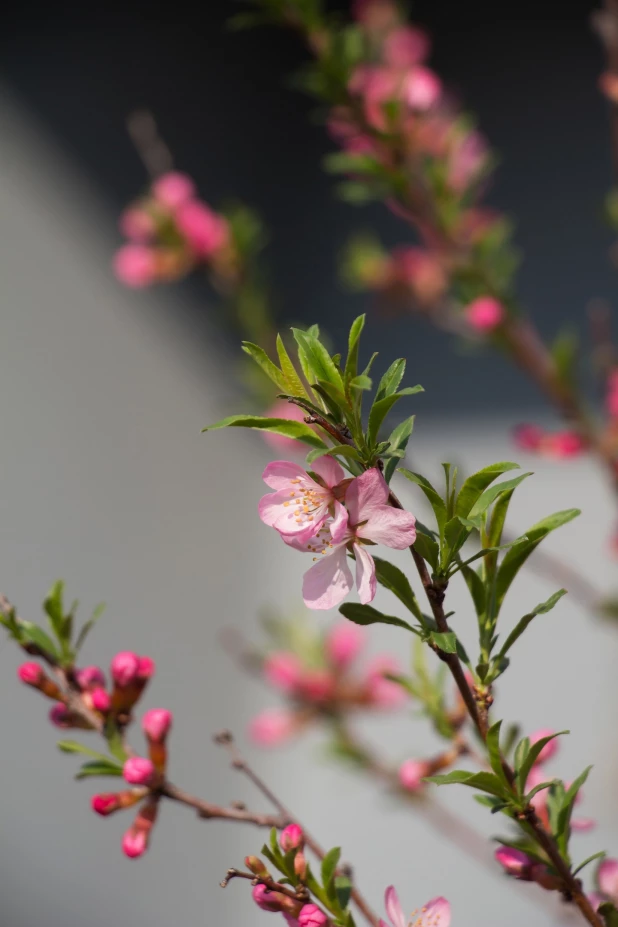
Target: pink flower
<point x="173" y="189"/>
<point x="344" y="642"/>
<point x="137" y="224"/>
<point x="283" y="670"/>
<point x="405" y="47"/>
<point x="607" y="878"/>
<point x="563" y="445"/>
<point x="90" y="677"/>
<point x="139" y="771"/>
<point x="203" y="229"/>
<point x="291" y="838"/>
<point x="412" y="773"/>
<point x="288" y="410"/>
<point x="124" y="668"/>
<point x="550" y="749"/>
<point x="514" y="862"/>
<point x="156" y="724"/>
<point x="436" y="913"/>
<point x="60" y="716"/>
<point x="271" y="727"/>
<point x="596" y="900"/>
<point x="384" y="693"/>
<point x="312" y="916"/>
<point x="327" y="583"/>
<point x="300" y="505"/>
<point x="528" y="437"/>
<point x="135" y="265"/>
<point x="101" y="700"/>
<point x="108" y="802"/>
<point x="31" y="674"/>
<point x="485" y="314"/>
<point x="421" y="271"/>
<point x="422" y="89"/>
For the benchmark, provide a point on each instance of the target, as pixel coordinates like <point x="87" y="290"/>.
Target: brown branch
<point x="152" y="150"/>
<point x="301" y="894"/>
<point x="209" y="811"/>
<point x="225" y="739"/>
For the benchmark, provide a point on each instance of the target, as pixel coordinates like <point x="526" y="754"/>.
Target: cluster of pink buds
<point x="515" y="862"/>
<point x="170" y="232"/>
<point x="145" y="775"/>
<point x="557" y="445"/>
<point x="325" y="686"/>
<point x="327" y="515"/>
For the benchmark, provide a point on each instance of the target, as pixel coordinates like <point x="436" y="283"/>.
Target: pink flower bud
<point x="528" y="437"/>
<point x="135" y="265"/>
<point x="383" y="693"/>
<point x="137" y="224"/>
<point x="514" y="862"/>
<point x="291" y="838"/>
<point x="173" y="189"/>
<point x="90" y="677"/>
<point x="550" y="749"/>
<point x="145" y="668"/>
<point x="156" y="724"/>
<point x="271" y="727"/>
<point x="255" y="865"/>
<point x="60" y="716"/>
<point x="344" y="642"/>
<point x="405" y="47"/>
<point x="204" y="230"/>
<point x="101" y="700"/>
<point x="31" y="674"/>
<point x="283" y="670"/>
<point x="135" y="841"/>
<point x="485" y="314"/>
<point x="312" y="916"/>
<point x="422" y="89"/>
<point x="124" y="668"/>
<point x="563" y="445"/>
<point x="138" y="770"/>
<point x="265" y="899"/>
<point x="411" y="774"/>
<point x="317" y="685"/>
<point x="105" y="803"/>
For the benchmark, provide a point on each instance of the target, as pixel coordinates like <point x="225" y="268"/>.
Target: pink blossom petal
<point x="392" y="527"/>
<point x="339" y="524"/>
<point x="437" y="912"/>
<point x="582" y="825"/>
<point x="365" y="493"/>
<point x="329" y="469"/>
<point x="276" y="511"/>
<point x="279" y="473"/>
<point x="607" y="877"/>
<point x="328" y="581"/>
<point x="393" y="907"/>
<point x="365" y="574"/>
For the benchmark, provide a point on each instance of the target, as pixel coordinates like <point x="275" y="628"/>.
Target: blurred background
<point x="109" y="484"/>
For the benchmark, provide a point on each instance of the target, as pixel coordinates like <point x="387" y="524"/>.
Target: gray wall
<point x="108" y="483"/>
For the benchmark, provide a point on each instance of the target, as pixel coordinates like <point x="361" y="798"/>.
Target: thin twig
<point x="152" y="150"/>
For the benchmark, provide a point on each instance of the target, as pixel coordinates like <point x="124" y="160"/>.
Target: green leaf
<point x="279" y="426"/>
<point x="30" y="633"/>
<point x="351" y="364"/>
<point x="98" y="768"/>
<point x="490" y="495"/>
<point x="493" y="750"/>
<point x="564" y="817"/>
<point x="329" y="865"/>
<point x="88" y="626"/>
<point x="539" y="788"/>
<point x="609" y="914"/>
<point x="498" y="518"/>
<point x="517" y="556"/>
<point x="523" y="623"/>
<point x="54" y="609"/>
<point x="361" y="382"/>
<point x="382" y="407"/>
<point x="318" y="360"/>
<point x="392" y="578"/>
<point x="261" y="358"/>
<point x="343" y="889"/>
<point x="436" y="501"/>
<point x="532" y="756"/>
<point x="365" y="614"/>
<point x="427" y="546"/>
<point x="446" y="641"/>
<point x="398" y="441"/>
<point x="294" y="384"/>
<point x="72" y="746"/>
<point x="475" y="484"/>
<point x="344" y="450"/>
<point x="483" y="781"/>
<point x="391" y="379"/>
<point x="521" y="752"/>
<point x="114" y="741"/>
<point x="476" y="588"/>
<point x="589" y="859"/>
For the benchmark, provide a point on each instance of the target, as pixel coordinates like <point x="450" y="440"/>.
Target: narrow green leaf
<point x="493" y="750"/>
<point x="435" y="500"/>
<point x="426" y="545"/>
<point x="98" y="768"/>
<point x="319" y="361"/>
<point x="539" y="788"/>
<point x="293" y="382"/>
<point x="88" y="626"/>
<point x="53" y="605"/>
<point x="343" y="889"/>
<point x="475" y="484"/>
<point x="365" y="615"/>
<point x="589" y="859"/>
<point x="30" y="633"/>
<point x="493" y="492"/>
<point x="280" y="426"/>
<point x="532" y="757"/>
<point x="382" y="407"/>
<point x="521" y="752"/>
<point x="351" y="364"/>
<point x="262" y="359"/>
<point x="398" y="441"/>
<point x="389" y="383"/>
<point x="446" y="641"/>
<point x="114" y="741"/>
<point x="476" y="588"/>
<point x="498" y="518"/>
<point x="329" y="865"/>
<point x="392" y="578"/>
<point x="564" y="816"/>
<point x="72" y="746"/>
<point x="483" y="781"/>
<point x="523" y="623"/>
